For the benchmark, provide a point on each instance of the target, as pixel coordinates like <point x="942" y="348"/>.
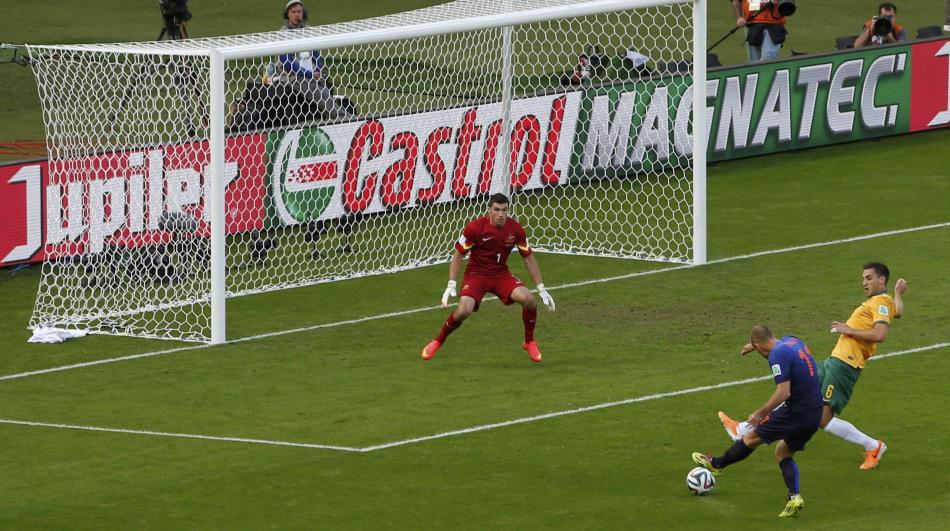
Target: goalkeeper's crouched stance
<point x="490" y="239"/>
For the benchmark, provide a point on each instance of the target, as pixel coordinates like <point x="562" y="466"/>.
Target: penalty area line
<point x="178" y="435"/>
<point x="442" y="435"/>
<point x="438" y="307"/>
<point x="606" y="405"/>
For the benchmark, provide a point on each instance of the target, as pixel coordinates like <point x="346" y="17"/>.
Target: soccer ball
<point x="700" y="481"/>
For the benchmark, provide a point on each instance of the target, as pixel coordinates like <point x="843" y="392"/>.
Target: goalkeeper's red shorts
<point x="503" y="285"/>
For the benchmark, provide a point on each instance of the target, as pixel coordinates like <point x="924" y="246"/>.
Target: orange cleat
<point x="731" y="426"/>
<point x="429" y="351"/>
<point x="872" y="457"/>
<point x="532" y="348"/>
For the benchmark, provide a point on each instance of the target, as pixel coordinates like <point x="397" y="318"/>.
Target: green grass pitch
<point x="362" y="385"/>
<point x="338" y="365"/>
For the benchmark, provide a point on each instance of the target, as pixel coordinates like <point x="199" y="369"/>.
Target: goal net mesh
<point x="357" y="159"/>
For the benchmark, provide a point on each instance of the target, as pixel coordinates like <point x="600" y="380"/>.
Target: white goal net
<point x="184" y="172"/>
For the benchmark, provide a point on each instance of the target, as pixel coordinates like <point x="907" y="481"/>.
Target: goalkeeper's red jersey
<point x="490" y="245"/>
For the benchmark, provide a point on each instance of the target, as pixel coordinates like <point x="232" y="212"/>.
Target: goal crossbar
<point x="204" y="47"/>
<point x="431" y="29"/>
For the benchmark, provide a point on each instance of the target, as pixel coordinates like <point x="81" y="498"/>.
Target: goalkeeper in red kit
<point x="490" y="239"/>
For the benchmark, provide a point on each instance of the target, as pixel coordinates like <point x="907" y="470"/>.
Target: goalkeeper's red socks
<point x="451" y="325"/>
<point x="530" y="318"/>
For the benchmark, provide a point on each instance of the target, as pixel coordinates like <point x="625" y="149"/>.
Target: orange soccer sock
<point x="450" y="326"/>
<point x="530" y="318"/>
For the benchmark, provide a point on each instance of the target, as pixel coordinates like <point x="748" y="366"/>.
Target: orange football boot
<point x="533" y="350"/>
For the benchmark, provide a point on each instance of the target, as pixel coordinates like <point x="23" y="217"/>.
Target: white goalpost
<point x="182" y="173"/>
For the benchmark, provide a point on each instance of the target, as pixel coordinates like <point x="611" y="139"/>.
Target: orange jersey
<point x="767" y="13"/>
<point x="853" y="351"/>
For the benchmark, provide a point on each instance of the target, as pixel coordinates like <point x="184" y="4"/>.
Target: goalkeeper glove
<point x="546" y="297"/>
<point x="449" y="292"/>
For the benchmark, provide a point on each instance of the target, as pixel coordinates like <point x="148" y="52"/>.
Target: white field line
<point x="100" y="362"/>
<point x="605" y="405"/>
<point x="238" y="340"/>
<point x="756" y="255"/>
<point x="178" y="435"/>
<point x="429" y="308"/>
<point x="443" y="435"/>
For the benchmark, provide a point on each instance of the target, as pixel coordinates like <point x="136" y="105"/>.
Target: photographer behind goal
<point x="764" y="21"/>
<point x="174" y="14"/>
<point x="882" y="29"/>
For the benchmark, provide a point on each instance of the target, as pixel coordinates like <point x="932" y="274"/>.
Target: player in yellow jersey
<point x="860" y="334"/>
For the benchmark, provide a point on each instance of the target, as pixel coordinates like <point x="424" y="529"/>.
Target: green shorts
<point x="837" y="382"/>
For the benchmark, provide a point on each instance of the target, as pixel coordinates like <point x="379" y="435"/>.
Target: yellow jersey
<point x="853" y="351"/>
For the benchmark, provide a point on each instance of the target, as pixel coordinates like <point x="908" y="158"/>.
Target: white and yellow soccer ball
<point x="700" y="481"/>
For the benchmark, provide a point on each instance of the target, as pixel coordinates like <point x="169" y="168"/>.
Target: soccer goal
<point x="183" y="173"/>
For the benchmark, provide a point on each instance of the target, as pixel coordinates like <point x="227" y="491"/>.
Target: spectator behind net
<point x="590" y="64"/>
<point x="304" y="71"/>
<point x="582" y="72"/>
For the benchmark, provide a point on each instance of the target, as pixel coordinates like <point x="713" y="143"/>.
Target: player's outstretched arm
<point x="535" y="271"/>
<point x="899" y="288"/>
<point x="454" y="267"/>
<point x="877" y="334"/>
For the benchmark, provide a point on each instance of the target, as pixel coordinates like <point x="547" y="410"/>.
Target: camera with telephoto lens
<point x="786" y="8"/>
<point x="174" y="13"/>
<point x="883" y="25"/>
